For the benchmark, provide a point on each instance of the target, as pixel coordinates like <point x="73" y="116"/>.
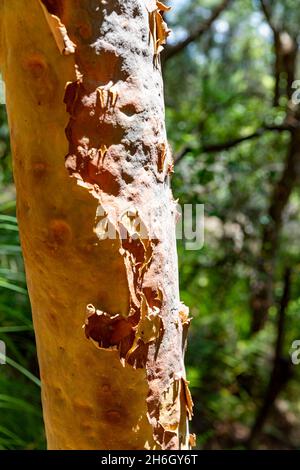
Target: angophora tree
<point x="92" y="67"/>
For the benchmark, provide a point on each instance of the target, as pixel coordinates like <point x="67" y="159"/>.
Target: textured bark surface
<point x="92" y="67"/>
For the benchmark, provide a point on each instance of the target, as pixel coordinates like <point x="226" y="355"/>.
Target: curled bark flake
<point x="162" y="154"/>
<point x="149" y="327"/>
<point x="188" y="398"/>
<point x="107" y="331"/>
<point x="169" y="417"/>
<point x="71" y="95"/>
<point x="184" y="315"/>
<point x="143" y="325"/>
<point x="130" y="335"/>
<point x="165" y="163"/>
<point x="192" y="440"/>
<point x="58" y="29"/>
<point x="159" y="30"/>
<point x="169" y="413"/>
<point x="107" y="95"/>
<point x="102" y="152"/>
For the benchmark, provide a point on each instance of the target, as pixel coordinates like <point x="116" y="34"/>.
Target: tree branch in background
<point x="281" y="371"/>
<point x="262" y="289"/>
<point x="171" y="50"/>
<point x="234" y="142"/>
<point x="262" y="293"/>
<point x="218" y="147"/>
<point x="286" y="49"/>
<point x="266" y="8"/>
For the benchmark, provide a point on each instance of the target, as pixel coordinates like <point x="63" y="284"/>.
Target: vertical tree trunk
<point x="100" y="58"/>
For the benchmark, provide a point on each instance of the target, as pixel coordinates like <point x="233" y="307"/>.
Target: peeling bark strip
<point x="106" y="55"/>
<point x="51" y="10"/>
<point x="158" y="29"/>
<point x="105" y="141"/>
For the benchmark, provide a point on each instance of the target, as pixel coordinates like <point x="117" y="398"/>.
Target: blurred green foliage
<point x="217" y="89"/>
<point x="21" y="424"/>
<point x="220" y="89"/>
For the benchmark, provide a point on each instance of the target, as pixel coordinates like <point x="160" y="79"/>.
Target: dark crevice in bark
<point x="54" y="6"/>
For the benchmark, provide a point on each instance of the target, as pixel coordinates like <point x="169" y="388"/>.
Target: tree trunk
<point x="97" y="227"/>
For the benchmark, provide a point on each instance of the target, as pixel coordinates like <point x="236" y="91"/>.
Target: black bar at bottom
<point x="135" y="459"/>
